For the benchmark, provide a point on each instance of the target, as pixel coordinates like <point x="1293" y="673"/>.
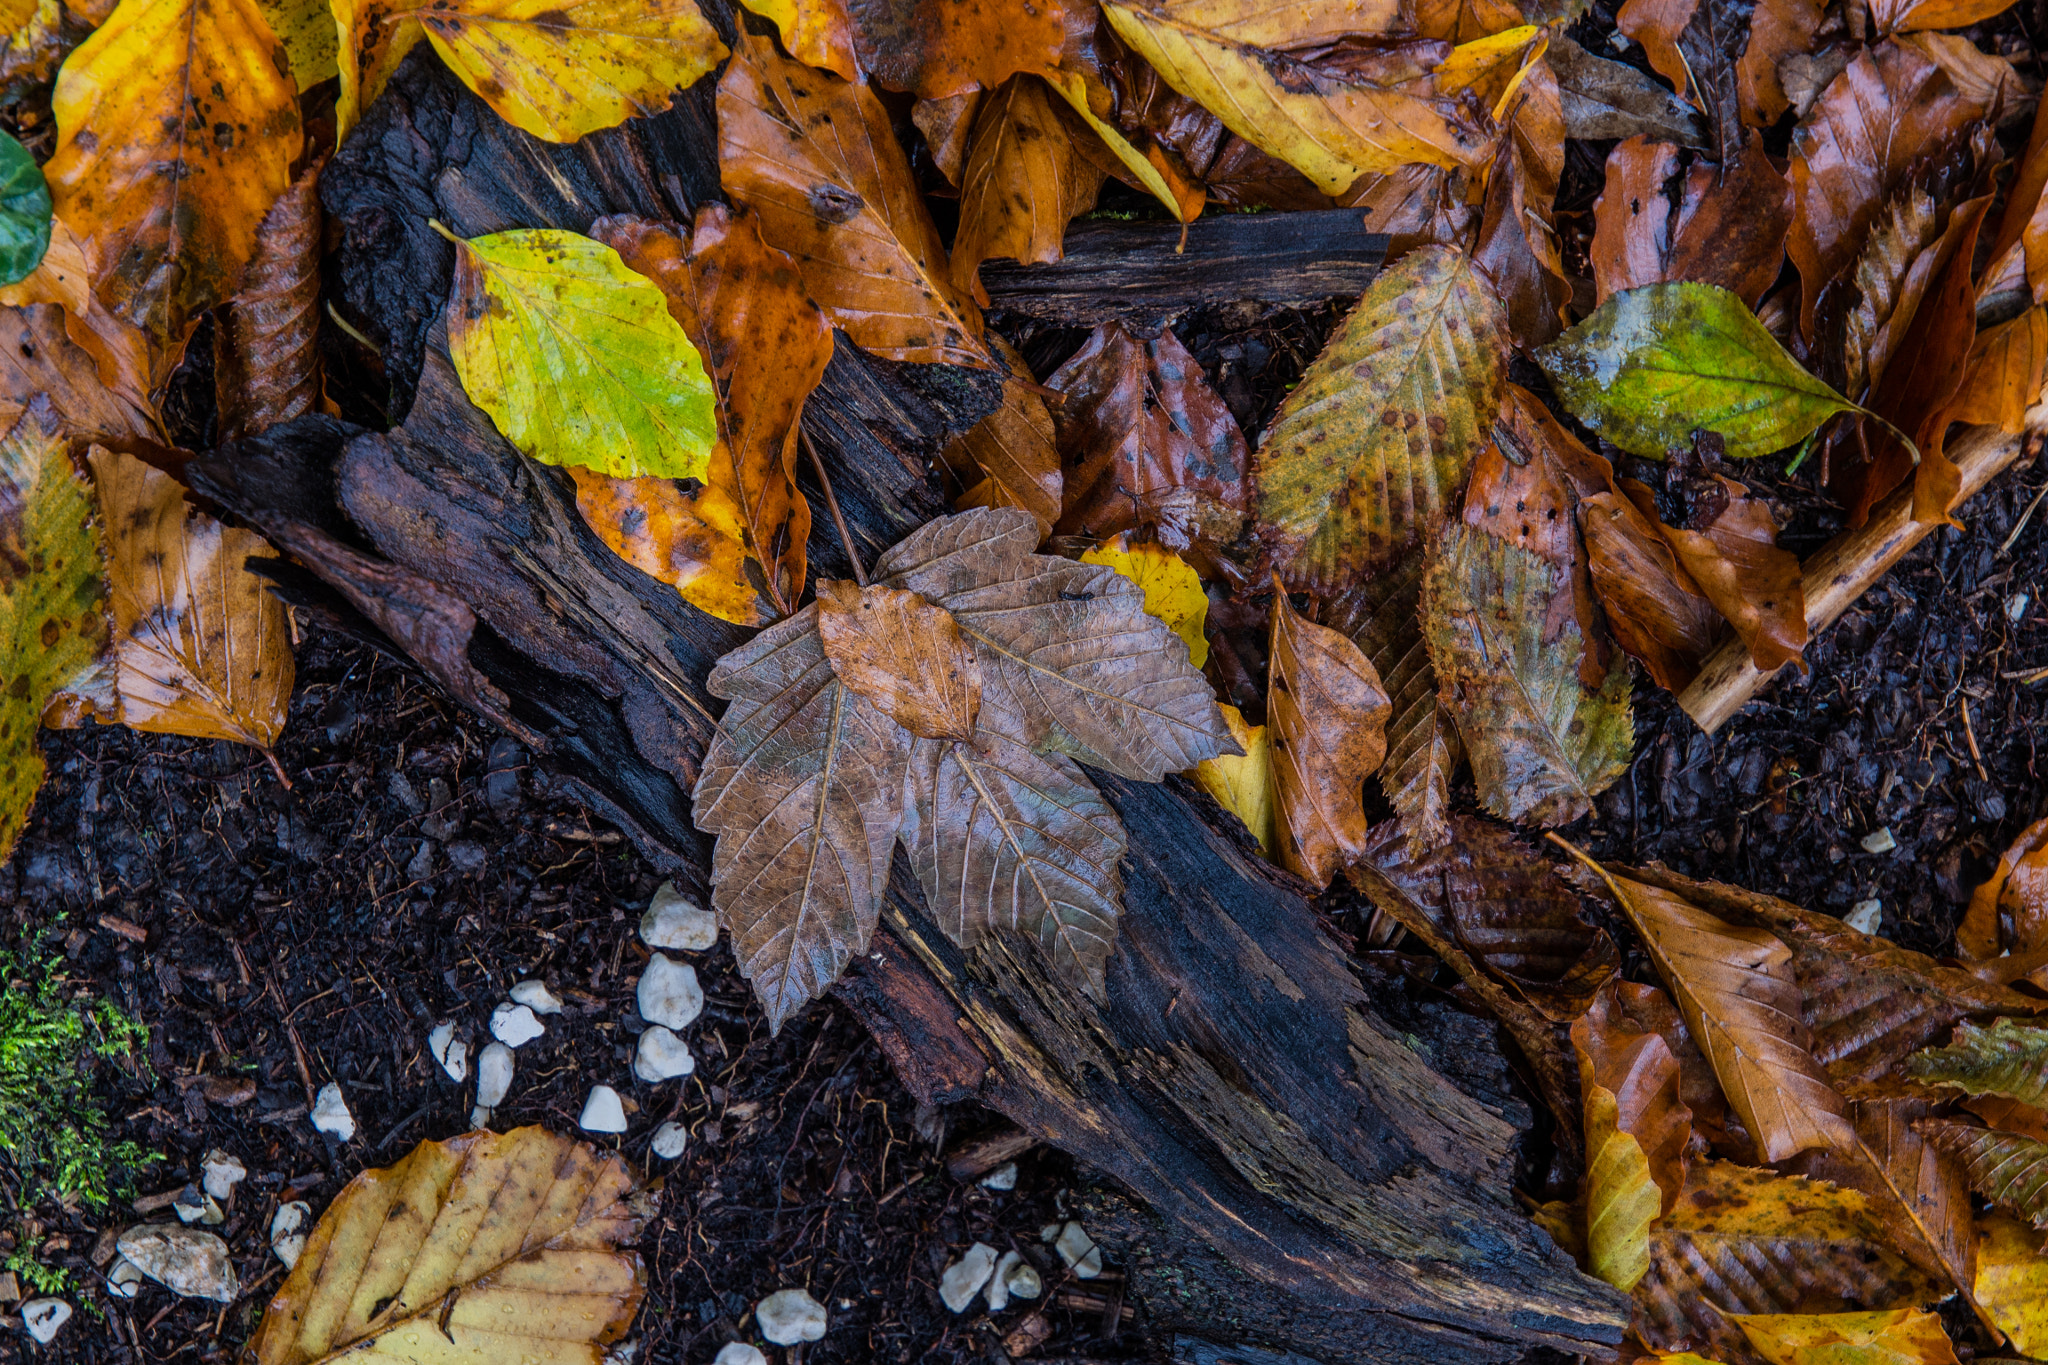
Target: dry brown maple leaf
<point x="944" y="705"/>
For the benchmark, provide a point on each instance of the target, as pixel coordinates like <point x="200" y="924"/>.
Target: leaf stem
<point x="860" y="574"/>
<point x="437" y="225"/>
<point x="1902" y="437"/>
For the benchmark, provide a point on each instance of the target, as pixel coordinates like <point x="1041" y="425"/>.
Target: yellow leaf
<point x="1621" y="1197"/>
<point x="1183" y="202"/>
<point x="1899" y="1336"/>
<point x="306" y="28"/>
<point x="177" y="123"/>
<point x="375" y="36"/>
<point x="483" y="1247"/>
<point x="816" y="32"/>
<point x="1493" y="67"/>
<point x="2012" y="1280"/>
<point x="576" y="358"/>
<point x="1330" y="130"/>
<point x="1173" y="591"/>
<point x="1243" y="783"/>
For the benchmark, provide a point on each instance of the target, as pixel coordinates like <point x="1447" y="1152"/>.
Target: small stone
<point x="288" y="1231"/>
<point x="1003" y="1177"/>
<point x="662" y="1057"/>
<point x="123" y="1279"/>
<point x="1050" y="1232"/>
<point x="1880" y="842"/>
<point x="603" y="1112"/>
<point x="789" y="1316"/>
<point x="186" y="1261"/>
<point x="2016" y="607"/>
<point x="1865" y="916"/>
<point x="494" y="1067"/>
<point x="536" y="996"/>
<point x="330" y="1113"/>
<point x="190" y="1205"/>
<point x="1023" y="1281"/>
<point x="738" y="1353"/>
<point x="1079" y="1251"/>
<point x="44" y="1318"/>
<point x="668" y="993"/>
<point x="999" y="1283"/>
<point x="625" y="1353"/>
<point x="222" y="1173"/>
<point x="514" y="1024"/>
<point x="480" y="1115"/>
<point x="670" y="1140"/>
<point x="964" y="1278"/>
<point x="451" y="1052"/>
<point x="673" y="920"/>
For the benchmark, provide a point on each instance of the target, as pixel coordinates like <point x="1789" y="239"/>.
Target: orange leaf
<point x="1327" y="717"/>
<point x="936" y="50"/>
<point x="1022" y="183"/>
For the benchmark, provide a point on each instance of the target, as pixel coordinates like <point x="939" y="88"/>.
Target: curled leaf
<point x="2007" y="1168"/>
<point x="267" y="352"/>
<point x="2009" y="1059"/>
<point x="1023" y="181"/>
<point x="1326" y="717"/>
<point x="816" y="32"/>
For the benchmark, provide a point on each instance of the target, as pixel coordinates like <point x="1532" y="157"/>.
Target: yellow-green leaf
<point x="1375" y="441"/>
<point x="1898" y="1336"/>
<point x="2012" y="1281"/>
<point x="310" y="38"/>
<point x="1173" y="591"/>
<point x="576" y="358"/>
<point x="1621" y="1198"/>
<point x="53" y="623"/>
<point x="1243" y="783"/>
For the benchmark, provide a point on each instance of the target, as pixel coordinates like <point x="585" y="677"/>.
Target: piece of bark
<point x="1339" y="1197"/>
<point x="1135" y="273"/>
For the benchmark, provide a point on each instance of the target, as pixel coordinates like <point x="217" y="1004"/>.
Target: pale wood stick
<point x="1844" y="569"/>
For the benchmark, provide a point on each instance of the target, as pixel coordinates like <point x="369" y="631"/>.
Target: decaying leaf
<point x="941" y="50"/>
<point x="1736" y="562"/>
<point x="1603" y="99"/>
<point x="1365" y="454"/>
<point x="1637" y="1130"/>
<point x="267" y="351"/>
<point x="1148" y="169"/>
<point x="1022" y="182"/>
<point x="1173" y="591"/>
<point x="38" y="359"/>
<point x="1901" y="1336"/>
<point x="178" y="122"/>
<point x="577" y="358"/>
<point x="1656" y="611"/>
<point x="2007" y="1168"/>
<point x="818" y="161"/>
<point x="2012" y="1280"/>
<point x="1625" y="1008"/>
<point x="816" y="32"/>
<point x="1728" y="228"/>
<point x="308" y="32"/>
<point x="1243" y="783"/>
<point x="2009" y="912"/>
<point x="903" y="655"/>
<point x="507" y="1246"/>
<point x="1326" y="717"/>
<point x="2003" y="376"/>
<point x="1541" y="745"/>
<point x="1010" y="457"/>
<point x="1779" y="30"/>
<point x="2009" y="1058"/>
<point x="52" y="602"/>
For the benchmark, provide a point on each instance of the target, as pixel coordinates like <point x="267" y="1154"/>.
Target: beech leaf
<point x="576" y="358"/>
<point x="1243" y="783"/>
<point x="1023" y="180"/>
<point x="942" y="50"/>
<point x="2006" y="1168"/>
<point x="24" y="212"/>
<point x="1621" y="1198"/>
<point x="1010" y="458"/>
<point x="1900" y="1336"/>
<point x="2008" y="1058"/>
<point x="2012" y="1281"/>
<point x="816" y="32"/>
<point x="1653" y="365"/>
<point x="267" y="350"/>
<point x="902" y="654"/>
<point x="1173" y="591"/>
<point x="1326" y="718"/>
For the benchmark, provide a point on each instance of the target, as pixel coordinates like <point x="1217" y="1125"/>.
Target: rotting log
<point x="1297" y="1179"/>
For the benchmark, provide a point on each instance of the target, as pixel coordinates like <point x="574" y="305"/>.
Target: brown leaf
<point x="1326" y="714"/>
<point x="1416" y="206"/>
<point x="267" y="351"/>
<point x="1728" y="230"/>
<point x="1023" y="181"/>
<point x="1625" y="1007"/>
<point x="1777" y="29"/>
<point x="2003" y="377"/>
<point x="1891" y="275"/>
<point x="1657" y="613"/>
<point x="39" y="358"/>
<point x="2023" y="225"/>
<point x="942" y="50"/>
<point x="948" y="128"/>
<point x="2007" y="1168"/>
<point x="118" y="348"/>
<point x="1897" y="16"/>
<point x="1632" y="218"/>
<point x="1888" y="108"/>
<point x="1638" y="1069"/>
<point x="1146" y="443"/>
<point x="838" y="195"/>
<point x="1603" y="100"/>
<point x="1736" y="562"/>
<point x="1656" y="24"/>
<point x="816" y="32"/>
<point x="1712" y="45"/>
<point x="2008" y="913"/>
<point x="1516" y="251"/>
<point x="1989" y="81"/>
<point x="903" y="655"/>
<point x="1009" y="458"/>
<point x="1462" y="21"/>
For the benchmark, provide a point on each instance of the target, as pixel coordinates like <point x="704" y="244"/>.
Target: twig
<point x="860" y="574"/>
<point x="2021" y="524"/>
<point x="1970" y="737"/>
<point x="1843" y="569"/>
<point x="291" y="1031"/>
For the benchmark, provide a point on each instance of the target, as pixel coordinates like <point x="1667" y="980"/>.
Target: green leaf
<point x="2009" y="1059"/>
<point x="576" y="358"/>
<point x="53" y="622"/>
<point x="24" y="212"/>
<point x="1653" y="365"/>
<point x="2006" y="1168"/>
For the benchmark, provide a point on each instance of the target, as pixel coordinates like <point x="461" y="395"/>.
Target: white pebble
<point x="662" y="1057"/>
<point x="671" y="1140"/>
<point x="2016" y="607"/>
<point x="1003" y="1177"/>
<point x="480" y="1116"/>
<point x="1079" y="1251"/>
<point x="668" y="993"/>
<point x="1865" y="916"/>
<point x="288" y="1231"/>
<point x="738" y="1353"/>
<point x="123" y="1279"/>
<point x="44" y="1318"/>
<point x="1880" y="842"/>
<point x="603" y="1112"/>
<point x="999" y="1283"/>
<point x="536" y="996"/>
<point x="1050" y="1232"/>
<point x="450" y="1052"/>
<point x="964" y="1278"/>
<point x="513" y="1024"/>
<point x="186" y="1261"/>
<point x="1022" y="1280"/>
<point x="222" y="1173"/>
<point x="673" y="920"/>
<point x="493" y="1075"/>
<point x="789" y="1316"/>
<point x="330" y="1113"/>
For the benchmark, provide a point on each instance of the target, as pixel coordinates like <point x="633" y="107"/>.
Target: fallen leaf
<point x="1778" y="29"/>
<point x="1331" y="129"/>
<point x="24" y="212"/>
<point x="1653" y="365"/>
<point x="52" y="602"/>
<point x="2007" y="1168"/>
<point x="33" y="40"/>
<point x="1736" y="563"/>
<point x="39" y="358"/>
<point x="267" y="347"/>
<point x="2008" y="1058"/>
<point x="1243" y="783"/>
<point x="1632" y="218"/>
<point x="816" y="32"/>
<point x="2012" y="1280"/>
<point x="2023" y="225"/>
<point x="2009" y="911"/>
<point x="695" y="541"/>
<point x="1023" y="181"/>
<point x="177" y="123"/>
<point x="1656" y="24"/>
<point x="903" y="655"/>
<point x="1654" y="608"/>
<point x="1326" y="717"/>
<point x="374" y="36"/>
<point x="1990" y="82"/>
<point x="1541" y="746"/>
<point x="1365" y="454"/>
<point x="1904" y="16"/>
<point x="2003" y="376"/>
<point x="736" y="299"/>
<point x="1621" y="1198"/>
<point x="1173" y="591"/>
<point x="1517" y="254"/>
<point x="1728" y="228"/>
<point x="1460" y="21"/>
<point x="1147" y="168"/>
<point x="1741" y="1001"/>
<point x="1711" y="46"/>
<point x="817" y="159"/>
<point x="940" y="50"/>
<point x="482" y="1243"/>
<point x="1890" y="275"/>
<point x="576" y="358"/>
<point x="1146" y="443"/>
<point x="1622" y="1008"/>
<point x="308" y="32"/>
<point x="1902" y="1336"/>
<point x="118" y="349"/>
<point x="1603" y="100"/>
<point x="947" y="125"/>
<point x="1010" y="457"/>
<point x="1641" y="1079"/>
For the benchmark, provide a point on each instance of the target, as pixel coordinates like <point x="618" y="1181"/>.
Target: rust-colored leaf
<point x="1010" y="457"/>
<point x="1637" y="1131"/>
<point x="1728" y="229"/>
<point x="1643" y="1079"/>
<point x="1632" y="217"/>
<point x="1777" y="29"/>
<point x="1326" y="716"/>
<point x="2002" y="378"/>
<point x="39" y="359"/>
<point x="1905" y="16"/>
<point x="1022" y="182"/>
<point x="817" y="159"/>
<point x="1657" y="613"/>
<point x="1517" y="253"/>
<point x="1737" y="564"/>
<point x="267" y="351"/>
<point x="1628" y="1007"/>
<point x="118" y="348"/>
<point x="904" y="655"/>
<point x="1656" y="24"/>
<point x="941" y="50"/>
<point x="2009" y="911"/>
<point x="816" y="32"/>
